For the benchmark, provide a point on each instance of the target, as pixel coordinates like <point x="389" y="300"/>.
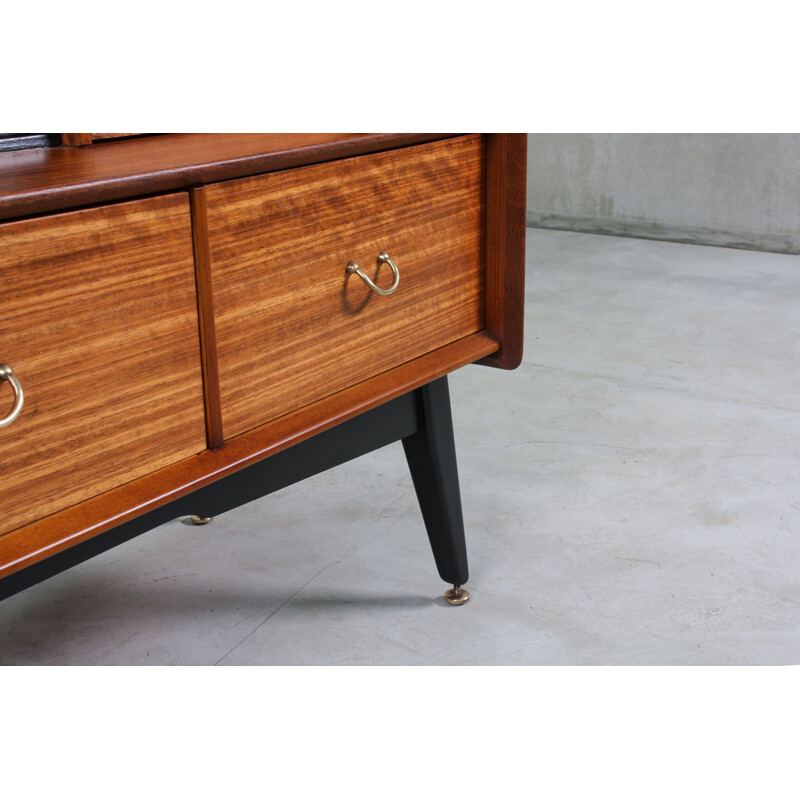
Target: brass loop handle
<point x="383" y="258"/>
<point x="7" y="374"/>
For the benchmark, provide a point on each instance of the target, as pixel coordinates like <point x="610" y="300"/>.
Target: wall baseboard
<point x="786" y="243"/>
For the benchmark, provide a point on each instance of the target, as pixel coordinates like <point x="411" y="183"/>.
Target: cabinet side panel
<point x="506" y="158"/>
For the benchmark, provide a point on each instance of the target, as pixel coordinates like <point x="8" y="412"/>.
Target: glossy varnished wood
<point x="44" y="181"/>
<point x="57" y="178"/>
<point x="53" y="534"/>
<point x="506" y="157"/>
<point x="292" y="325"/>
<point x="205" y="313"/>
<point x="99" y="322"/>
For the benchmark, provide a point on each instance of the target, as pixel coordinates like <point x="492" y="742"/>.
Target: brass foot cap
<point x="201" y="520"/>
<point x="456" y="596"/>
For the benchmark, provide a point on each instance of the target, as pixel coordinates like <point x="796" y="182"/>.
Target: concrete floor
<point x="631" y="496"/>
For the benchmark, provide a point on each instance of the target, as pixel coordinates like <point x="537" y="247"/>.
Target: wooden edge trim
<point x="506" y="173"/>
<point x="205" y="317"/>
<point x="81" y="189"/>
<point x="76" y="139"/>
<point x="35" y="542"/>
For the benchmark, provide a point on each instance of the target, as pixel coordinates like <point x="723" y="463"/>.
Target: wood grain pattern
<point x="205" y="314"/>
<point x="506" y="157"/>
<point x="45" y="537"/>
<point x="292" y="326"/>
<point x="33" y="182"/>
<point x="100" y="324"/>
<point x="57" y="178"/>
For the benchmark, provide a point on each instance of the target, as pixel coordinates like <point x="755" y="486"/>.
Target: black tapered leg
<point x="431" y="456"/>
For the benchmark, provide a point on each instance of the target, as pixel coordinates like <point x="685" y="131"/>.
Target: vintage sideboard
<point x="190" y="321"/>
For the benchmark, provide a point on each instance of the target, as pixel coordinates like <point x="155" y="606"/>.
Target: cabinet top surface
<point x="51" y="179"/>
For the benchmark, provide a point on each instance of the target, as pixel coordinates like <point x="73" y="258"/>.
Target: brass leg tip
<point x="456" y="596"/>
<point x="201" y="520"/>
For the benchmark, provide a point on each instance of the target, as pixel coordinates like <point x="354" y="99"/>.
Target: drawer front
<point x="292" y="324"/>
<point x="98" y="320"/>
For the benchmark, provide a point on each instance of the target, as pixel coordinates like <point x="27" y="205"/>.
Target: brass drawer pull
<point x="383" y="258"/>
<point x="7" y="374"/>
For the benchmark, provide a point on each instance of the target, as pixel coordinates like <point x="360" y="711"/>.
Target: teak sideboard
<point x="190" y="321"/>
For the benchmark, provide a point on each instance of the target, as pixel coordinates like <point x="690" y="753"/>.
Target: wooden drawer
<point x="292" y="325"/>
<point x="99" y="322"/>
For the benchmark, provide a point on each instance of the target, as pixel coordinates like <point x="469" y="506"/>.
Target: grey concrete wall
<point x="734" y="189"/>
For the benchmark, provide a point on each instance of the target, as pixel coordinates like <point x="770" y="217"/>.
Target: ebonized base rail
<point x="420" y="419"/>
